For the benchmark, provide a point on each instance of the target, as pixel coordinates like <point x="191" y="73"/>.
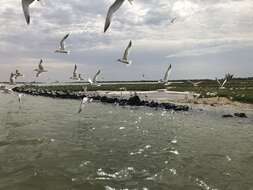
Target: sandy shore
<point x="158" y="96"/>
<point x="178" y="97"/>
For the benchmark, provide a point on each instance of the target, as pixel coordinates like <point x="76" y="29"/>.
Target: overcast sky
<point x="208" y="39"/>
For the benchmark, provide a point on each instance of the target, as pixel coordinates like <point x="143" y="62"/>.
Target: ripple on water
<point x="48" y="141"/>
<point x="203" y="184"/>
<point x="122" y="175"/>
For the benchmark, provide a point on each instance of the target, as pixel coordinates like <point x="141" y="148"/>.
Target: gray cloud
<point x="206" y="32"/>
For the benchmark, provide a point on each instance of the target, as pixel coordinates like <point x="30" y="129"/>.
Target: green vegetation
<point x="240" y="90"/>
<point x="236" y="89"/>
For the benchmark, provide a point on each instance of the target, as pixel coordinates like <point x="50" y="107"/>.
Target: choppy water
<point x="47" y="145"/>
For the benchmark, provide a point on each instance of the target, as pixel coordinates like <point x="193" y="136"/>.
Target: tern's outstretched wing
<point x="41" y="68"/>
<point x="83" y="101"/>
<point x="95" y="77"/>
<point x="125" y="56"/>
<point x="190" y="82"/>
<point x="62" y="41"/>
<point x="166" y="76"/>
<point x="218" y="81"/>
<point x="173" y="20"/>
<point x="197" y="83"/>
<point x="75" y="71"/>
<point x="25" y="5"/>
<point x="223" y="84"/>
<point x="113" y="8"/>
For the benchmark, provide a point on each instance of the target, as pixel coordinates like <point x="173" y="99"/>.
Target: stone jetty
<point x="131" y="101"/>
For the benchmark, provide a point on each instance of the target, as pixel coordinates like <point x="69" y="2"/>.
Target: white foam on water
<point x="149" y="114"/>
<point x="228" y="158"/>
<point x="85" y="163"/>
<point x="141" y="150"/>
<point x="123" y="174"/>
<point x="203" y="184"/>
<point x="173" y="141"/>
<point x="35" y="173"/>
<point x="74" y="179"/>
<point x="109" y="188"/>
<point x="174" y="152"/>
<point x="152" y="178"/>
<point x="163" y="113"/>
<point x="173" y="171"/>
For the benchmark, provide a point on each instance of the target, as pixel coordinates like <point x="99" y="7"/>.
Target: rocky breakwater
<point x="132" y="101"/>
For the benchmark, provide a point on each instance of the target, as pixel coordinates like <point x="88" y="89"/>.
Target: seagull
<point x="18" y="74"/>
<point x="165" y="79"/>
<point x="84" y="101"/>
<point x="2" y="87"/>
<point x="6" y="90"/>
<point x="113" y="8"/>
<point x="195" y="84"/>
<point x="74" y="76"/>
<point x="25" y="5"/>
<point x="80" y="77"/>
<point x="125" y="56"/>
<point x="222" y="86"/>
<point x="94" y="80"/>
<point x="85" y="89"/>
<point x="173" y="20"/>
<point x="62" y="48"/>
<point x="20" y="98"/>
<point x="40" y="69"/>
<point x="12" y="79"/>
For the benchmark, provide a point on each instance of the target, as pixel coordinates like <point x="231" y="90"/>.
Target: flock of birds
<point x="77" y="76"/>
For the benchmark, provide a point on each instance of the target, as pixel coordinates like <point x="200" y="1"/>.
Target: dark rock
<point x="109" y="100"/>
<point x="242" y="115"/>
<point x="96" y="98"/>
<point x="123" y="102"/>
<point x="134" y="101"/>
<point x="181" y="108"/>
<point x="153" y="104"/>
<point x="168" y="106"/>
<point x="227" y="115"/>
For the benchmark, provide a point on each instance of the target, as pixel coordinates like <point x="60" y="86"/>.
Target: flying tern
<point x="94" y="80"/>
<point x="40" y="69"/>
<point x="113" y="8"/>
<point x="25" y="5"/>
<point x="62" y="45"/>
<point x="165" y="79"/>
<point x="125" y="59"/>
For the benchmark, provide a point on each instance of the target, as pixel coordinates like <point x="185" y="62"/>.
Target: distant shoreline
<point x="236" y="90"/>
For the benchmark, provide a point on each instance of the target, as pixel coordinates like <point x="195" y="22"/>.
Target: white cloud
<point x="213" y="27"/>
